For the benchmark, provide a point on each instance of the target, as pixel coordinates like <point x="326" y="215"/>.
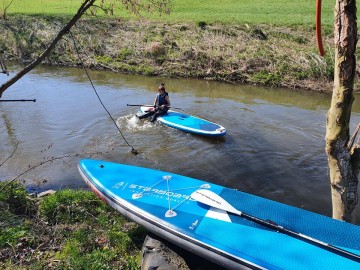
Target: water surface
<point x="274" y="145"/>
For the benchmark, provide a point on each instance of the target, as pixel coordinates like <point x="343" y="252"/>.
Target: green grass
<point x="71" y="229"/>
<point x="278" y="12"/>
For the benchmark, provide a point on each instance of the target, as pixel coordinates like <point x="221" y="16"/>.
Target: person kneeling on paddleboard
<point x="161" y="104"/>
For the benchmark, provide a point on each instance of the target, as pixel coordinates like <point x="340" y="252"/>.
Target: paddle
<point x="140" y="105"/>
<point x="14" y="100"/>
<point x="210" y="198"/>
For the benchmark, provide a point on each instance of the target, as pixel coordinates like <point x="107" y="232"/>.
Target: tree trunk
<point x="342" y="161"/>
<point x="85" y="6"/>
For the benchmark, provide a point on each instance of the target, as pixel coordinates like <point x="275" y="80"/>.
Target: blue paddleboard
<point x="168" y="205"/>
<point x="188" y="123"/>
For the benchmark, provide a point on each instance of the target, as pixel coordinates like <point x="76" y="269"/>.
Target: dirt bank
<point x="260" y="55"/>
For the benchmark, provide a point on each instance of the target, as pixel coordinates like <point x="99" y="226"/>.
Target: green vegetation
<point x="270" y="43"/>
<point x="253" y="54"/>
<point x="71" y="229"/>
<point x="278" y="12"/>
<point x="264" y="42"/>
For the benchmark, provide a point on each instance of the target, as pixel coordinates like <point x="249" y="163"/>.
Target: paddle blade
<point x="210" y="198"/>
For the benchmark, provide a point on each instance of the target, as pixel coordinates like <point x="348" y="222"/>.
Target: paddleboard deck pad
<point x="162" y="203"/>
<point x="186" y="122"/>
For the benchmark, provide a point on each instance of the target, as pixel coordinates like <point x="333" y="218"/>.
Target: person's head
<point x="162" y="87"/>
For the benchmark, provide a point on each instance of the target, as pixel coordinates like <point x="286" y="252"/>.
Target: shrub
<point x="266" y="78"/>
<point x="156" y="49"/>
<point x="123" y="54"/>
<point x="202" y="24"/>
<point x="14" y="197"/>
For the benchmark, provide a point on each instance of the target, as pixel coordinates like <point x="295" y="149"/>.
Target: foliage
<point x="71" y="229"/>
<point x="186" y="44"/>
<point x="219" y="52"/>
<point x="13" y="197"/>
<point x="123" y="54"/>
<point x="202" y="24"/>
<point x="263" y="77"/>
<point x="11" y="236"/>
<point x="71" y="206"/>
<point x="71" y="257"/>
<point x="157" y="51"/>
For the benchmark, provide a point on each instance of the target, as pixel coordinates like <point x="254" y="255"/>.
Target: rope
<point x="87" y="74"/>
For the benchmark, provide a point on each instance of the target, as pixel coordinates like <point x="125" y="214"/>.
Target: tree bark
<point x="342" y="162"/>
<point x="85" y="6"/>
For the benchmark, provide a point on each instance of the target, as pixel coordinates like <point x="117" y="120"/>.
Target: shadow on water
<point x="274" y="145"/>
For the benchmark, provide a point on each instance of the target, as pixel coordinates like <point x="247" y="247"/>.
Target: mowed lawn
<point x="272" y="12"/>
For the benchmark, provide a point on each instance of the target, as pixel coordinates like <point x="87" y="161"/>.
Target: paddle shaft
<point x="212" y="199"/>
<point x="14" y="100"/>
<point x="303" y="237"/>
<point x="141" y="105"/>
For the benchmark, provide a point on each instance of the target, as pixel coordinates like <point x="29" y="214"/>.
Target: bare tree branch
<point x="34" y="167"/>
<point x="134" y="6"/>
<point x="85" y="6"/>
<point x="10" y="155"/>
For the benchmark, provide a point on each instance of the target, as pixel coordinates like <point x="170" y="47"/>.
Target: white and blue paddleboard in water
<point x="231" y="228"/>
<point x="188" y="123"/>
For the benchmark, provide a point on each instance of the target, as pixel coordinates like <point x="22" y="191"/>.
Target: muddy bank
<point x="259" y="55"/>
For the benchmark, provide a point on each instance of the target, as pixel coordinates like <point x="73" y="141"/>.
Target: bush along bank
<point x="260" y="55"/>
<point x="71" y="229"/>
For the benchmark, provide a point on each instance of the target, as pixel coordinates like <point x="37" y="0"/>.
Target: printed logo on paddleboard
<point x="118" y="185"/>
<point x="161" y="190"/>
<point x="158" y="193"/>
<point x="142" y="191"/>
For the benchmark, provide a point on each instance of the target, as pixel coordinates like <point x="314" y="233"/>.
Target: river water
<point x="274" y="145"/>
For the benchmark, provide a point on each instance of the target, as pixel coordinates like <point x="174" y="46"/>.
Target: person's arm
<point x="167" y="101"/>
<point x="155" y="101"/>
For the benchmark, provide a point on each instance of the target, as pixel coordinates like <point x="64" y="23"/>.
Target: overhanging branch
<point x="84" y="7"/>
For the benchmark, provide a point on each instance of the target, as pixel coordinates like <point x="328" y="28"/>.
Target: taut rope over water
<point x="87" y="74"/>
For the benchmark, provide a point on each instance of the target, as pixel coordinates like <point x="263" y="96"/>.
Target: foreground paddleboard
<point x="188" y="123"/>
<point x="164" y="204"/>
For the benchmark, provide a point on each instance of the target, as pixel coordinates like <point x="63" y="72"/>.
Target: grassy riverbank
<point x="242" y="53"/>
<point x="267" y="43"/>
<point x="71" y="229"/>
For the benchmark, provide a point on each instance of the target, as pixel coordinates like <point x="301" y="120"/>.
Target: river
<point x="274" y="145"/>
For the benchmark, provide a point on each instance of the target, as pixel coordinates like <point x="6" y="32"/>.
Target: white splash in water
<point x="132" y="123"/>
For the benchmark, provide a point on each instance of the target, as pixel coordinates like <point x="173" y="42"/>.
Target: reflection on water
<point x="274" y="145"/>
